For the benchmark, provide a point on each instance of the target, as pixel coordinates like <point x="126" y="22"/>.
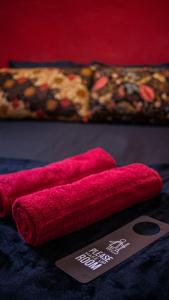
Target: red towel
<point x="54" y="212"/>
<point x="71" y="169"/>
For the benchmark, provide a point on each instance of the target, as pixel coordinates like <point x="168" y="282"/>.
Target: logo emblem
<point x="115" y="246"/>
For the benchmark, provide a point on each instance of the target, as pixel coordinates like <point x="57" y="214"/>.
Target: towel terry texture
<point x="20" y="183"/>
<point x="57" y="211"/>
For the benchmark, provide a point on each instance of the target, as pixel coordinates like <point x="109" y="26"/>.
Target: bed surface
<point x="50" y="141"/>
<point x="28" y="273"/>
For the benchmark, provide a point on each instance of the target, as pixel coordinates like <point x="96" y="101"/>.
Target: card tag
<point x="100" y="256"/>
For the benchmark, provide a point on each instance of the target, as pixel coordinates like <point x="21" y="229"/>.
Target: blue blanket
<point x="29" y="273"/>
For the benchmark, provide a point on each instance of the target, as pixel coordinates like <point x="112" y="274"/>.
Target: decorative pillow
<point x="49" y="93"/>
<point x="135" y="94"/>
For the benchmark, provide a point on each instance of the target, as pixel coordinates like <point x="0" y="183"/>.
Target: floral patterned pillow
<point x="134" y="94"/>
<point x="49" y="93"/>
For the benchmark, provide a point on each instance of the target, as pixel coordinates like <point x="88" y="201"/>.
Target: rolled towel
<point x="17" y="184"/>
<point x="55" y="212"/>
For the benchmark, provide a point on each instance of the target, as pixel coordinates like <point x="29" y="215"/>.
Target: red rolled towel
<point x="54" y="212"/>
<point x="17" y="184"/>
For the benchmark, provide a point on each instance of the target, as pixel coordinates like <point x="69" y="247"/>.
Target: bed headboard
<point x="117" y="31"/>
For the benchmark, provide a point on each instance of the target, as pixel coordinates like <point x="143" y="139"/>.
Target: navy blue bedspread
<point x="29" y="273"/>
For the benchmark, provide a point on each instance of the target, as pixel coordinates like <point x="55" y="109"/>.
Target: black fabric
<point x="29" y="273"/>
<point x="57" y="64"/>
<point x="64" y="63"/>
<point x="50" y="141"/>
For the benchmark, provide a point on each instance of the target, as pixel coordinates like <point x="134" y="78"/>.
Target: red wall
<point x="112" y="31"/>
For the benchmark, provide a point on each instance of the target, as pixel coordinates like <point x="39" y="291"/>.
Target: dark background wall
<point x="112" y="31"/>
